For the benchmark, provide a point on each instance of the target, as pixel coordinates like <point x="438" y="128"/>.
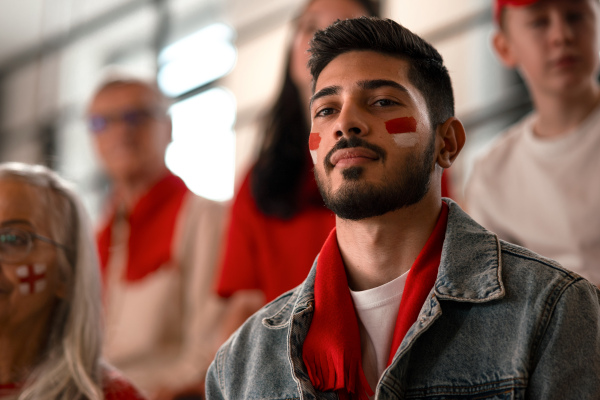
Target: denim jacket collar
<point x="469" y="269"/>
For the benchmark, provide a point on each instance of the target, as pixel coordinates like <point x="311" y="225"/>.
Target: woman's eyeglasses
<point x="16" y="244"/>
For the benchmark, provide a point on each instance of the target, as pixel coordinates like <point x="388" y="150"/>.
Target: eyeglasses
<point x="16" y="244"/>
<point x="132" y="118"/>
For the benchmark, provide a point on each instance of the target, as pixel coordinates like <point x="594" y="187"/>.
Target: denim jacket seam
<point x="289" y="355"/>
<point x="289" y="304"/>
<point x="540" y="260"/>
<point x="516" y="382"/>
<point x="220" y="363"/>
<point x="546" y="316"/>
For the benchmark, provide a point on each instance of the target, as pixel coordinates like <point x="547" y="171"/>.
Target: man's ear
<point x="501" y="44"/>
<point x="452" y="137"/>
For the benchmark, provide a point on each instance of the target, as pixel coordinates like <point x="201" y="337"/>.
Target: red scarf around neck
<point x="151" y="228"/>
<point x="331" y="350"/>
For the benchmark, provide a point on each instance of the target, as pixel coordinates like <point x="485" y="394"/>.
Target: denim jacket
<point x="500" y="323"/>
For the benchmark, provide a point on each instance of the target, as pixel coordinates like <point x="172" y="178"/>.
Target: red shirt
<point x="269" y="253"/>
<point x="115" y="387"/>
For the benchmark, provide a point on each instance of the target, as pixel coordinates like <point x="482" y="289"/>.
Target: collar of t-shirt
<point x="562" y="146"/>
<point x="377" y="310"/>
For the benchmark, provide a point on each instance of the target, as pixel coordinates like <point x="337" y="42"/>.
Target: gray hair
<point x="162" y="102"/>
<point x="70" y="367"/>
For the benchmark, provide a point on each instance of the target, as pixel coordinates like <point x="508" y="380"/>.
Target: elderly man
<point x="409" y="297"/>
<point x="158" y="245"/>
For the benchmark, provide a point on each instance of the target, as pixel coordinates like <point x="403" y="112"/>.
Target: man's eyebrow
<point x="379" y="83"/>
<point x="326" y="91"/>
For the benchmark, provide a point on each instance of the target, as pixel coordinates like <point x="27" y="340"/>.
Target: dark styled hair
<point x="283" y="161"/>
<point x="427" y="71"/>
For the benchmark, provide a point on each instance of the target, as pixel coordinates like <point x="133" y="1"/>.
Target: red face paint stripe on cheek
<point x="313" y="141"/>
<point x="401" y="125"/>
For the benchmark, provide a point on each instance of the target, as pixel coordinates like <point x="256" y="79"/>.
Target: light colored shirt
<point x="377" y="311"/>
<point x="543" y="194"/>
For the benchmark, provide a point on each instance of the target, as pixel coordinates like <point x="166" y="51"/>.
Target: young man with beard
<point x="409" y="297"/>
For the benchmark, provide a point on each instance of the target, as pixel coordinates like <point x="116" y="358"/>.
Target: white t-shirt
<point x="543" y="194"/>
<point x="377" y="310"/>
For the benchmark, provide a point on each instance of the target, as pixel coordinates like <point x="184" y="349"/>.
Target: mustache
<point x="353" y="142"/>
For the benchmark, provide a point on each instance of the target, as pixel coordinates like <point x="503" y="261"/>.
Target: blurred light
<point x="196" y="60"/>
<point x="203" y="149"/>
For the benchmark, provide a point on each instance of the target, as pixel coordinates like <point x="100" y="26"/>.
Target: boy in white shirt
<point x="538" y="185"/>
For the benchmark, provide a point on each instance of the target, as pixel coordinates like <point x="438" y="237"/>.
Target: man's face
<point x="554" y="43"/>
<point x="371" y="138"/>
<point x="129" y="130"/>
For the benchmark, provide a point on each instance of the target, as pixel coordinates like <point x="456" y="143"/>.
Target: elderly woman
<point x="50" y="330"/>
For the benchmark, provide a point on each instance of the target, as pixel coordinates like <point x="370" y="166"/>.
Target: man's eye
<point x="385" y="102"/>
<point x="324" y="112"/>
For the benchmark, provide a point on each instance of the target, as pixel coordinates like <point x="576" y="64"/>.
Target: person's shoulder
<point x="537" y="273"/>
<point x="116" y="387"/>
<point x="258" y="349"/>
<point x="274" y="316"/>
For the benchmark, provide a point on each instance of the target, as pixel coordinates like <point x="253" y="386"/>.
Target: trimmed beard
<point x="357" y="199"/>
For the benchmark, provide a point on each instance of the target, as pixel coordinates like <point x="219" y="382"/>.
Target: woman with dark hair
<point x="278" y="222"/>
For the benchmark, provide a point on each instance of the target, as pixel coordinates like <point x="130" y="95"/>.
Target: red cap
<point x="500" y="4"/>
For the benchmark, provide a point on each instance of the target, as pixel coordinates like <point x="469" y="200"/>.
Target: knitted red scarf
<point x="151" y="228"/>
<point x="331" y="351"/>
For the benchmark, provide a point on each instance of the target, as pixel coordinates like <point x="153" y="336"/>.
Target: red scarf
<point x="331" y="351"/>
<point x="151" y="228"/>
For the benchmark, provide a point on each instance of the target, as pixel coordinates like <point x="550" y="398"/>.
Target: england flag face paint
<point x="314" y="140"/>
<point x="403" y="131"/>
<point x="32" y="278"/>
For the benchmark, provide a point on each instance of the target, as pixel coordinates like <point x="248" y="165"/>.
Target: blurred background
<point x="221" y="61"/>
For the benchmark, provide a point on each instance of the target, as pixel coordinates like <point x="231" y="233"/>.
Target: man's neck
<point x="130" y="189"/>
<point x="379" y="249"/>
<point x="559" y="115"/>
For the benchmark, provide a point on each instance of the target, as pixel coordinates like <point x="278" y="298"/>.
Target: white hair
<point x="70" y="366"/>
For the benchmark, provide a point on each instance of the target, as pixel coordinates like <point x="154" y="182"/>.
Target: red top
<point x="269" y="253"/>
<point x="116" y="387"/>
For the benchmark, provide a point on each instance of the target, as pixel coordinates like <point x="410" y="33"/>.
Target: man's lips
<point x="351" y="155"/>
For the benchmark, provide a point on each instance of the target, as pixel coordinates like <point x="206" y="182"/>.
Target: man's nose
<point x="351" y="121"/>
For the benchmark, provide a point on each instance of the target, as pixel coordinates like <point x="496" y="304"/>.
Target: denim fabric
<point x="501" y="323"/>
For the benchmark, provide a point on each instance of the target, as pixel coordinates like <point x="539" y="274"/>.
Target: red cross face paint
<point x="32" y="278"/>
<point x="314" y="140"/>
<point x="403" y="131"/>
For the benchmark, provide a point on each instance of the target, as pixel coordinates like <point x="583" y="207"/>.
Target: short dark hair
<point x="427" y="71"/>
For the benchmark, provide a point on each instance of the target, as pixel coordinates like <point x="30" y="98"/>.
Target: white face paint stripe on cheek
<point x="313" y="154"/>
<point x="406" y="139"/>
<point x="314" y="140"/>
<point x="403" y="131"/>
